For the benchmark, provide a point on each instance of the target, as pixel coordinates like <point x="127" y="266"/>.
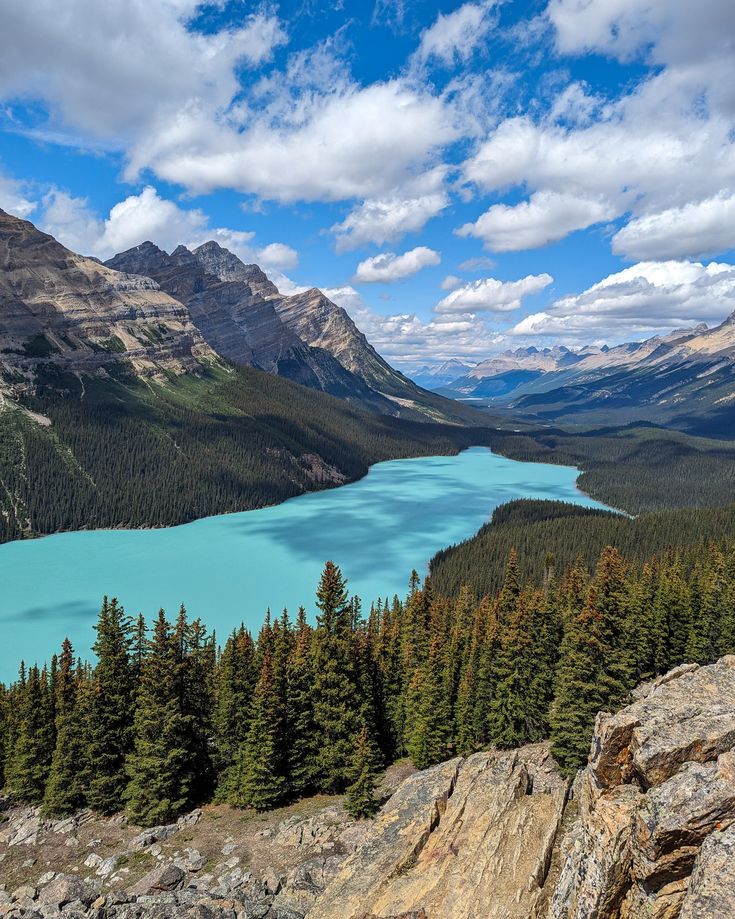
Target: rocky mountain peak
<point x="227" y="266"/>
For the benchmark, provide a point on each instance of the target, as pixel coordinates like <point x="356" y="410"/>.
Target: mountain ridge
<point x="685" y="378"/>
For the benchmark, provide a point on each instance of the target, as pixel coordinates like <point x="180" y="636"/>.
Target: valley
<point x="683" y="380"/>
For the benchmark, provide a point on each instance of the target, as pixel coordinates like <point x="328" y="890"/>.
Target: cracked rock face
<point x="468" y="838"/>
<point x="657" y="806"/>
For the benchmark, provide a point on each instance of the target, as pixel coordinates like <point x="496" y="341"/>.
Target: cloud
<point x="147" y="216"/>
<point x="547" y="217"/>
<point x="390" y="218"/>
<point x="450" y="282"/>
<point x="665" y="144"/>
<point x="111" y="69"/>
<point x="479" y="263"/>
<point x="140" y="77"/>
<point x="672" y="33"/>
<point x="492" y="296"/>
<point x="455" y="36"/>
<point x="640" y="300"/>
<point x="351" y="142"/>
<point x="405" y="338"/>
<point x="14" y="197"/>
<point x="388" y="266"/>
<point x="698" y="228"/>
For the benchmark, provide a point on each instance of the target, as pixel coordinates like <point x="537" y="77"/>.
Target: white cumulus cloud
<point x="388" y="219"/>
<point x="643" y="299"/>
<point x="698" y="228"/>
<point x="547" y="217"/>
<point x="388" y="266"/>
<point x="491" y="295"/>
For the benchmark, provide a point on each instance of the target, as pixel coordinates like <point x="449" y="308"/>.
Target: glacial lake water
<point x="229" y="569"/>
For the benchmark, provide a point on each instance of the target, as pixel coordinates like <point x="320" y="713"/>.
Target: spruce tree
<point x="234" y="685"/>
<point x="64" y="792"/>
<point x="160" y="767"/>
<point x="517" y="716"/>
<point x="337" y="706"/>
<point x="302" y="749"/>
<point x="111" y="715"/>
<point x="26" y="767"/>
<point x="259" y="779"/>
<point x="360" y="799"/>
<point x="431" y="727"/>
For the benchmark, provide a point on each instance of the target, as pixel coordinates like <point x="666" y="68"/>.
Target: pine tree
<point x="516" y="715"/>
<point x="337" y="706"/>
<point x="704" y="637"/>
<point x="160" y="769"/>
<point x="360" y="800"/>
<point x="64" y="792"/>
<point x="259" y="779"/>
<point x="195" y="656"/>
<point x="26" y="766"/>
<point x="302" y="749"/>
<point x="586" y="683"/>
<point x="430" y="736"/>
<point x="111" y="715"/>
<point x="234" y="685"/>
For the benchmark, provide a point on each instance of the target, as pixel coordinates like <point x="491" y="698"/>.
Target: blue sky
<point x="462" y="177"/>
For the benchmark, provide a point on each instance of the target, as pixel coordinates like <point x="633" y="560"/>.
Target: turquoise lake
<point x="231" y="568"/>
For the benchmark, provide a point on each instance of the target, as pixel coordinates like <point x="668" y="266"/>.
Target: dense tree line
<point x="166" y="719"/>
<point x="125" y="453"/>
<point x="636" y="469"/>
<point x="575" y="532"/>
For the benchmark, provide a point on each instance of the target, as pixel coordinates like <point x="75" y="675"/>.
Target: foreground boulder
<point x="649" y="826"/>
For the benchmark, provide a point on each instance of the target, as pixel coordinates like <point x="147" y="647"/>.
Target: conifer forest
<point x="169" y="716"/>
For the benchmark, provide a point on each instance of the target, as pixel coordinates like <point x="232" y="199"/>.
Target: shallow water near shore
<point x="230" y="568"/>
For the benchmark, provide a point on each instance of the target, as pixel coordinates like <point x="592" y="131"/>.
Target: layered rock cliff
<point x="56" y="306"/>
<point x="233" y="307"/>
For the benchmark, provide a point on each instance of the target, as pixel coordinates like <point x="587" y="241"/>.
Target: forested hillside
<point x="634" y="468"/>
<point x="136" y="453"/>
<point x="536" y="530"/>
<point x="166" y="719"/>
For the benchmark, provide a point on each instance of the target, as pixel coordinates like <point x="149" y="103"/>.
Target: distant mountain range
<point x="432" y="377"/>
<point x="685" y="379"/>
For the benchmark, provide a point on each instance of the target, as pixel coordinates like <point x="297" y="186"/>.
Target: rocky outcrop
<point x="225" y="265"/>
<point x="320" y="322"/>
<point x="468" y="838"/>
<point x="653" y="802"/>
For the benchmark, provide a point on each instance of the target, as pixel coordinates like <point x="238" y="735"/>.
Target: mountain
<point x="305" y="337"/>
<point x="685" y="379"/>
<point x="236" y="320"/>
<point x="434" y="376"/>
<point x="142" y="402"/>
<point x="60" y="308"/>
